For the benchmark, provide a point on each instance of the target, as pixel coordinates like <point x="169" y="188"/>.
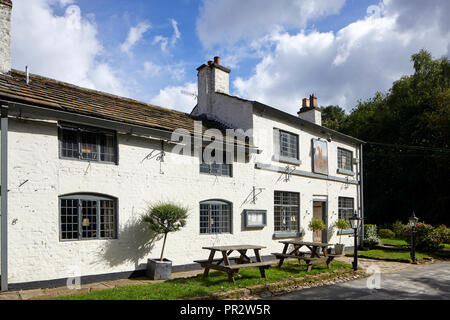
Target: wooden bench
<point x="234" y="268"/>
<point x="310" y="261"/>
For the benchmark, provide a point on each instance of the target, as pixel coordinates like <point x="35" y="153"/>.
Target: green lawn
<point x="394" y="242"/>
<point x="215" y="282"/>
<point x="390" y="254"/>
<point x="398" y="242"/>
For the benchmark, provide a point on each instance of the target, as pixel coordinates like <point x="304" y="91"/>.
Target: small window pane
<point x="69" y="143"/>
<point x="286" y="211"/>
<point x="215" y="217"/>
<point x="345" y="159"/>
<point x="69" y="221"/>
<point x="288" y="145"/>
<point x="88" y="145"/>
<point x="345" y="208"/>
<point x="107" y="148"/>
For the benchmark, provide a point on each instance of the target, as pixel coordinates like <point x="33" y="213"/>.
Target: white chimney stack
<point x="212" y="78"/>
<point x="5" y="36"/>
<point x="310" y="110"/>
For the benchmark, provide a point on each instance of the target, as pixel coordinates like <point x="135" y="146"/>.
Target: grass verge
<point x="216" y="282"/>
<point x="390" y="255"/>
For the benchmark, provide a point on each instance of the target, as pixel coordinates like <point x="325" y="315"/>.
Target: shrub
<point x="444" y="233"/>
<point x="165" y="217"/>
<point x="316" y="225"/>
<point x="370" y="235"/>
<point x="399" y="229"/>
<point x="342" y="224"/>
<point x="427" y="238"/>
<point x="386" y="234"/>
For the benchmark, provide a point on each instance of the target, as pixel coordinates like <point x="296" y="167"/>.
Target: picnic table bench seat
<point x="243" y="261"/>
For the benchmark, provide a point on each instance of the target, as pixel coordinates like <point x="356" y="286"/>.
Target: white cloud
<point x="134" y="35"/>
<point x="63" y="3"/>
<point x="152" y="69"/>
<point x="224" y="22"/>
<point x="174" y="98"/>
<point x="176" y="32"/>
<point x="164" y="41"/>
<point x="364" y="57"/>
<point x="62" y="47"/>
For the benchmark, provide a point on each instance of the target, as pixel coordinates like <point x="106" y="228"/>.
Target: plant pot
<point x="339" y="248"/>
<point x="159" y="270"/>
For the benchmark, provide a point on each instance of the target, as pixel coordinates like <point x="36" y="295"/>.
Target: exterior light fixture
<point x="413" y="223"/>
<point x="354" y="222"/>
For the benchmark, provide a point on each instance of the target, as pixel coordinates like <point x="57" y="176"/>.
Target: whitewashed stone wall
<point x="5" y="37"/>
<point x="36" y="252"/>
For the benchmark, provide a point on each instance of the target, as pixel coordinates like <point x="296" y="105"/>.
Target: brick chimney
<point x="212" y="78"/>
<point x="5" y="36"/>
<point x="310" y="110"/>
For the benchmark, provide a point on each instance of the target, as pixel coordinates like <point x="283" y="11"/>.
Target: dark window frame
<point x="288" y="155"/>
<point x="209" y="203"/>
<point x="339" y="159"/>
<point x="85" y="197"/>
<point x="99" y="133"/>
<point x="345" y="211"/>
<point x="283" y="206"/>
<point x="208" y="167"/>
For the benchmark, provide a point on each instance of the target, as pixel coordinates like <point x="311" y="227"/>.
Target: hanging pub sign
<point x="320" y="154"/>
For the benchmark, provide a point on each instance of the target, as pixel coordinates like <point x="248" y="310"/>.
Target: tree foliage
<point x="407" y="155"/>
<point x="165" y="217"/>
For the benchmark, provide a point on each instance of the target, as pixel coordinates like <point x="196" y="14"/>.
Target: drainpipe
<point x="4" y="198"/>
<point x="361" y="193"/>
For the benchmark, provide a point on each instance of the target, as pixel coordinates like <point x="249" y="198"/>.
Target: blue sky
<point x="279" y="51"/>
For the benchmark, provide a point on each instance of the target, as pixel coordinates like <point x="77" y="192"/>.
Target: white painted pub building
<point x="79" y="168"/>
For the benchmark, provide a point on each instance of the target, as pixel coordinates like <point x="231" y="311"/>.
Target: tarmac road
<point x="424" y="282"/>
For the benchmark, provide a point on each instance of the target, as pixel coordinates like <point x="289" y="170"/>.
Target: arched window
<point x="215" y="217"/>
<point x="87" y="217"/>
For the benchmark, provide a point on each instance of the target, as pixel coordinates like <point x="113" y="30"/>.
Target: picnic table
<point x="311" y="257"/>
<point x="243" y="261"/>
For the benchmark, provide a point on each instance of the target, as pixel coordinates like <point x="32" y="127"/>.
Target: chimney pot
<point x="313" y="101"/>
<point x="217" y="60"/>
<point x="305" y="103"/>
<point x="210" y="62"/>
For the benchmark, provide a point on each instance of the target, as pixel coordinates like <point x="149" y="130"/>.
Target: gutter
<point x="4" y="198"/>
<point x="48" y="112"/>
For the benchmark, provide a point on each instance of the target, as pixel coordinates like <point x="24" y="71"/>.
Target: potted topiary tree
<point x="341" y="224"/>
<point x="316" y="225"/>
<point x="163" y="218"/>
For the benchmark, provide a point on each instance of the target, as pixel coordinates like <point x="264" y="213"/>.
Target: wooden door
<point x="317" y="214"/>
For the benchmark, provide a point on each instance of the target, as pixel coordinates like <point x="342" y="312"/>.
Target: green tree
<point x="407" y="155"/>
<point x="165" y="217"/>
<point x="333" y="117"/>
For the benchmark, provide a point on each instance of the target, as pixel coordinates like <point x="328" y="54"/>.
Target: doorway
<point x="320" y="213"/>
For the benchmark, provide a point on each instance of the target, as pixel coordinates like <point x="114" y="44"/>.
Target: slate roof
<point x="58" y="95"/>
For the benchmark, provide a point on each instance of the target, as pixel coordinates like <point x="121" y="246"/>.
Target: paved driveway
<point x="430" y="281"/>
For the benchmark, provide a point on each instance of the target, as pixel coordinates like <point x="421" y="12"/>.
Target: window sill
<point x="287" y="160"/>
<point x="346" y="172"/>
<point x="345" y="232"/>
<point x="282" y="235"/>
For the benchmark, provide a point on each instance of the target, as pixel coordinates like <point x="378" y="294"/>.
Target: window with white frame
<point x="286" y="212"/>
<point x="87" y="217"/>
<point x="87" y="143"/>
<point x="215" y="217"/>
<point x="288" y="145"/>
<point x="345" y="159"/>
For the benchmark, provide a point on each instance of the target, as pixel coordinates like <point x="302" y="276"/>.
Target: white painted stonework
<point x="38" y="177"/>
<point x="5" y="38"/>
<point x="36" y="252"/>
